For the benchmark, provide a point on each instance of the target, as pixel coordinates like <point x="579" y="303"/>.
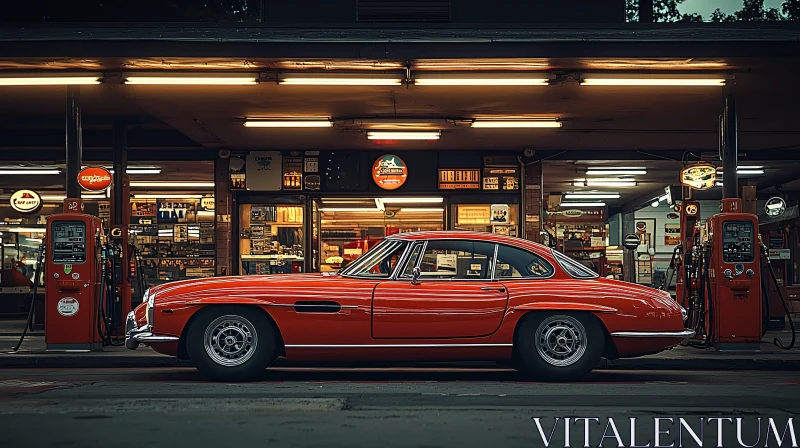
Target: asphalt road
<point x="421" y="408"/>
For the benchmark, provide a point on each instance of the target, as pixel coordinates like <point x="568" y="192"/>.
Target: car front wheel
<point x="231" y="343"/>
<point x="560" y="346"/>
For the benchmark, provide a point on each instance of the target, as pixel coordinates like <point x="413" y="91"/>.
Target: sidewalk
<point x="33" y="354"/>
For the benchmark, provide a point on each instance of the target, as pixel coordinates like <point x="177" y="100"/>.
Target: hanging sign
<point x="775" y="206"/>
<point x="459" y="179"/>
<point x="699" y="177"/>
<point x="389" y="172"/>
<point x="94" y="178"/>
<point x="631" y="241"/>
<point x="26" y="201"/>
<point x="264" y="171"/>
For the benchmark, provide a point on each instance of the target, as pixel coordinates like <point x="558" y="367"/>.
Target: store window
<point x="175" y="237"/>
<point x="501" y="219"/>
<point x="457" y="260"/>
<point x="349" y="227"/>
<point x="271" y="239"/>
<point x="518" y="263"/>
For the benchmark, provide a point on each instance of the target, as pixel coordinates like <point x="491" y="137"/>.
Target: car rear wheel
<point x="230" y="343"/>
<point x="560" y="346"/>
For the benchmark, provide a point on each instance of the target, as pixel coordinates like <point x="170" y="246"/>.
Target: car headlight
<point x="684" y="313"/>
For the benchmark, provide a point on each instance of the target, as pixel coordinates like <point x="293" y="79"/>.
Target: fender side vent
<point x="317" y="306"/>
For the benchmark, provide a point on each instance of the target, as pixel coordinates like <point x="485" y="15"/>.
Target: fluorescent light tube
<point x="350" y="209"/>
<point x="172" y="184"/>
<point x="680" y="80"/>
<point x="192" y="80"/>
<point x="592" y="196"/>
<point x="340" y="80"/>
<point x="515" y="123"/>
<point x="620" y="171"/>
<point x="50" y="81"/>
<point x="168" y="196"/>
<point x="25" y="229"/>
<point x="401" y="135"/>
<point x="422" y="210"/>
<point x="29" y="172"/>
<point x="402" y="200"/>
<point x="582" y="204"/>
<point x="477" y="79"/>
<point x="288" y="124"/>
<point x="603" y="183"/>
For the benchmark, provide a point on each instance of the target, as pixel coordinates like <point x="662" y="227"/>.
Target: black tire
<point x="238" y="322"/>
<point x="537" y="363"/>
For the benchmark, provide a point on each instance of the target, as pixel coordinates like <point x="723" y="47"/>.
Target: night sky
<point x="706" y="7"/>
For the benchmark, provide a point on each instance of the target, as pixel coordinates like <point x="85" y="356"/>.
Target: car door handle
<point x="494" y="288"/>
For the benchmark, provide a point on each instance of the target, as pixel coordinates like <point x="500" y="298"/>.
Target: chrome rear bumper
<point x="142" y="335"/>
<point x="654" y="334"/>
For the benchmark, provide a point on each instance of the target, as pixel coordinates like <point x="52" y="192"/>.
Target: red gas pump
<point x="72" y="279"/>
<point x="733" y="277"/>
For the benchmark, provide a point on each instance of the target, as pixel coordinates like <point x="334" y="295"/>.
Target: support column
<point x="531" y="225"/>
<point x="74" y="141"/>
<point x="222" y="217"/>
<point x="645" y="11"/>
<point x="629" y="256"/>
<point x="120" y="203"/>
<point x="729" y="140"/>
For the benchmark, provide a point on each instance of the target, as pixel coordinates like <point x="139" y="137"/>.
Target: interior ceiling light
<point x="516" y="123"/>
<point x="25" y="229"/>
<point x="26" y="172"/>
<point x="483" y="79"/>
<point x="168" y="196"/>
<point x="748" y="169"/>
<point x="604" y="171"/>
<point x="604" y="183"/>
<point x="402" y="200"/>
<point x="192" y="80"/>
<point x="173" y="184"/>
<point x="582" y="204"/>
<point x="308" y="79"/>
<point x="403" y="135"/>
<point x="50" y="81"/>
<point x="589" y="195"/>
<point x="294" y="123"/>
<point x="422" y="210"/>
<point x="350" y="209"/>
<point x="136" y="169"/>
<point x="62" y="197"/>
<point x="680" y="80"/>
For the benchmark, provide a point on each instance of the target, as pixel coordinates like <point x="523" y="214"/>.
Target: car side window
<point x="513" y="262"/>
<point x="413" y="259"/>
<point x="457" y="260"/>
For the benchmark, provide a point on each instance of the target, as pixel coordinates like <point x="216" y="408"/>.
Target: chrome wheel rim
<point x="230" y="340"/>
<point x="561" y="340"/>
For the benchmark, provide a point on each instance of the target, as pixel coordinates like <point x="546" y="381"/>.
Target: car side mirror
<point x="415" y="275"/>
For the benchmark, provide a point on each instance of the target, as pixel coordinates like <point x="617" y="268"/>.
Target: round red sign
<point x="94" y="178"/>
<point x="389" y="172"/>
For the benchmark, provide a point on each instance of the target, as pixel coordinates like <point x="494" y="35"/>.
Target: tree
<point x="791" y="9"/>
<point x="663" y="11"/>
<point x="718" y="17"/>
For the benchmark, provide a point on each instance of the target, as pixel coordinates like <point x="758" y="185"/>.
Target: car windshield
<point x="378" y="262"/>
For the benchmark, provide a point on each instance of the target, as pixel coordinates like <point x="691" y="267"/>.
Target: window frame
<point x="552" y="267"/>
<point x="425" y="247"/>
<point x="558" y="257"/>
<point x="401" y="262"/>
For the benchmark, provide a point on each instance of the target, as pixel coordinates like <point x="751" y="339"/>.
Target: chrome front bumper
<point x="142" y="335"/>
<point x="685" y="334"/>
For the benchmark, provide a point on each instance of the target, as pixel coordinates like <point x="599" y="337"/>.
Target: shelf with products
<point x="175" y="238"/>
<point x="271" y="238"/>
<point x="585" y="242"/>
<point x="501" y="219"/>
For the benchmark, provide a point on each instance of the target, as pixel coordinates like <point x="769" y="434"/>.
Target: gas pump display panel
<point x="69" y="242"/>
<point x="737" y="242"/>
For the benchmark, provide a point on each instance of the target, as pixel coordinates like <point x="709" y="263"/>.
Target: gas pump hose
<point x="36" y="277"/>
<point x="778" y="342"/>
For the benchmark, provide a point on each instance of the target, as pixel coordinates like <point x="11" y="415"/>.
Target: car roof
<point x="468" y="235"/>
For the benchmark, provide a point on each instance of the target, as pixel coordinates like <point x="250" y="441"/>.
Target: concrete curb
<point x="774" y="364"/>
<point x="77" y="361"/>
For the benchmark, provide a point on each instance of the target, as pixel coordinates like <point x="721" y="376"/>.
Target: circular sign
<point x="26" y="201"/>
<point x="641" y="226"/>
<point x="672" y="215"/>
<point x="389" y="172"/>
<point x="631" y="241"/>
<point x="94" y="178"/>
<point x="691" y="209"/>
<point x="775" y="206"/>
<point x="573" y="213"/>
<point x="68" y="306"/>
<point x="700" y="177"/>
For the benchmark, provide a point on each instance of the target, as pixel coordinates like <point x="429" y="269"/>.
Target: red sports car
<point x="428" y="296"/>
